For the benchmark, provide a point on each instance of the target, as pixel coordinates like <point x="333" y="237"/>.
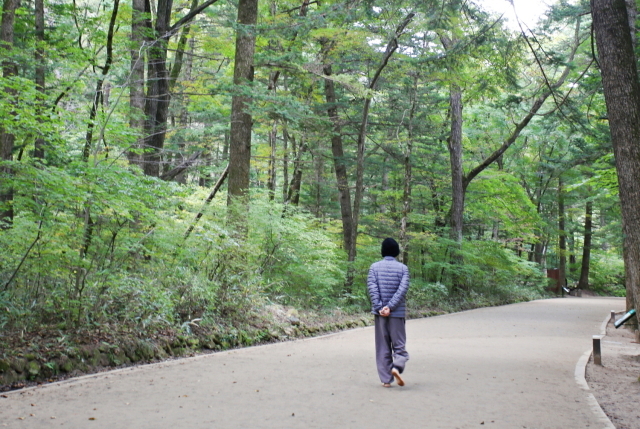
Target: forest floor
<point x="616" y="383"/>
<point x="61" y="355"/>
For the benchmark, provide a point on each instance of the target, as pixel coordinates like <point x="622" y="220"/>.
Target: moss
<point x="20" y="365"/>
<point x="65" y="363"/>
<point x="9" y="377"/>
<point x="144" y="351"/>
<point x="33" y="368"/>
<point x="117" y="357"/>
<point x="4" y="366"/>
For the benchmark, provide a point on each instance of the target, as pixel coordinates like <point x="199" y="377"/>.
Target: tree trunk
<point x="562" y="236"/>
<point x="285" y="163"/>
<point x="271" y="184"/>
<point x="39" y="74"/>
<point x="572" y="248"/>
<point x="98" y="97"/>
<point x="241" y="121"/>
<point x="337" y="151"/>
<point x="9" y="69"/>
<point x="622" y="96"/>
<point x="158" y="82"/>
<point x="136" y="82"/>
<point x="157" y="102"/>
<point x="293" y="195"/>
<point x="630" y="296"/>
<point x="583" y="283"/>
<point x="406" y="192"/>
<point x="454" y="144"/>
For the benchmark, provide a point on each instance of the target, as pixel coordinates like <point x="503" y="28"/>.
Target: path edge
<point x="580" y="373"/>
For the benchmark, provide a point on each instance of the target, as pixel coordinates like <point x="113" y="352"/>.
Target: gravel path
<point x="503" y="367"/>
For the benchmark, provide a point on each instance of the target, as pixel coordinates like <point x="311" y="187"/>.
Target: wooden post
<point x="597" y="353"/>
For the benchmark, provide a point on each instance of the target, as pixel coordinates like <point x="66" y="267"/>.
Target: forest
<point x="183" y="165"/>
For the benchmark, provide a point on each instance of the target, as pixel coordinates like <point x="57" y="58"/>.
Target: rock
<point x="65" y="364"/>
<point x="9" y="377"/>
<point x="33" y="368"/>
<point x="293" y="320"/>
<point x="144" y="350"/>
<point x="118" y="357"/>
<point x="130" y="351"/>
<point x="274" y="334"/>
<point x="4" y="366"/>
<point x="20" y="365"/>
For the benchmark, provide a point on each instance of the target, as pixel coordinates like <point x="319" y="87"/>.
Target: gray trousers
<point x="390" y="346"/>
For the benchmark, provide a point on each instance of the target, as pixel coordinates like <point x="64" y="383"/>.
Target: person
<point x="387" y="284"/>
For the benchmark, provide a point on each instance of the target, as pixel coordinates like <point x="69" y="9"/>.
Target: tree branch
<point x="188" y="17"/>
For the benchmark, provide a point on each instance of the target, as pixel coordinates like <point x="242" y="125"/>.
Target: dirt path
<point x="506" y="367"/>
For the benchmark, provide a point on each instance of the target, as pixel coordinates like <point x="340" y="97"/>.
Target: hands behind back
<point x="385" y="312"/>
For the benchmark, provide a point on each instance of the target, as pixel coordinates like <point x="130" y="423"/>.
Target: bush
<point x="607" y="275"/>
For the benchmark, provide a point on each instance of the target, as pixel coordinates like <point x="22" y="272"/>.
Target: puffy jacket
<point x="388" y="282"/>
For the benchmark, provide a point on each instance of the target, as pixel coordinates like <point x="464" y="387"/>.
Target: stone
<point x="4" y="366"/>
<point x="293" y="320"/>
<point x="33" y="368"/>
<point x="20" y="365"/>
<point x="65" y="364"/>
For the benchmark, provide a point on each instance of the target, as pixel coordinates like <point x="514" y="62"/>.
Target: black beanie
<point x="390" y="247"/>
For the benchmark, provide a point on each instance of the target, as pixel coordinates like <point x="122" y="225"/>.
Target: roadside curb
<point x="580" y="372"/>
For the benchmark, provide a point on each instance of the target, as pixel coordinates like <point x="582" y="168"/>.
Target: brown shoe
<point x="396" y="375"/>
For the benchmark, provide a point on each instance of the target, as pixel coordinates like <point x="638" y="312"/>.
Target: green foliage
<point x="607" y="274"/>
<point x="499" y="197"/>
<point x="96" y="242"/>
<point x="489" y="268"/>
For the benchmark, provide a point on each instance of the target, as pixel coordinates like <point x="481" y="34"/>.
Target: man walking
<point x="387" y="283"/>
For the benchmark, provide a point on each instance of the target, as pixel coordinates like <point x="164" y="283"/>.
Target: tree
<point x="136" y="78"/>
<point x="583" y="283"/>
<point x="158" y="97"/>
<point x="622" y="95"/>
<point x="7" y="138"/>
<point x="241" y="121"/>
<point x="40" y="73"/>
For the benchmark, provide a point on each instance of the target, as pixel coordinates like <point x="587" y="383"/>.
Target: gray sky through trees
<point x="529" y="11"/>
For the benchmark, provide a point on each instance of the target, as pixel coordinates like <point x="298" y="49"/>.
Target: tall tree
<point x="583" y="283"/>
<point x="99" y="95"/>
<point x="40" y="73"/>
<point x="562" y="235"/>
<point x="158" y="96"/>
<point x="622" y="95"/>
<point x="241" y="121"/>
<point x="337" y="150"/>
<point x="7" y="138"/>
<point x="136" y="77"/>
